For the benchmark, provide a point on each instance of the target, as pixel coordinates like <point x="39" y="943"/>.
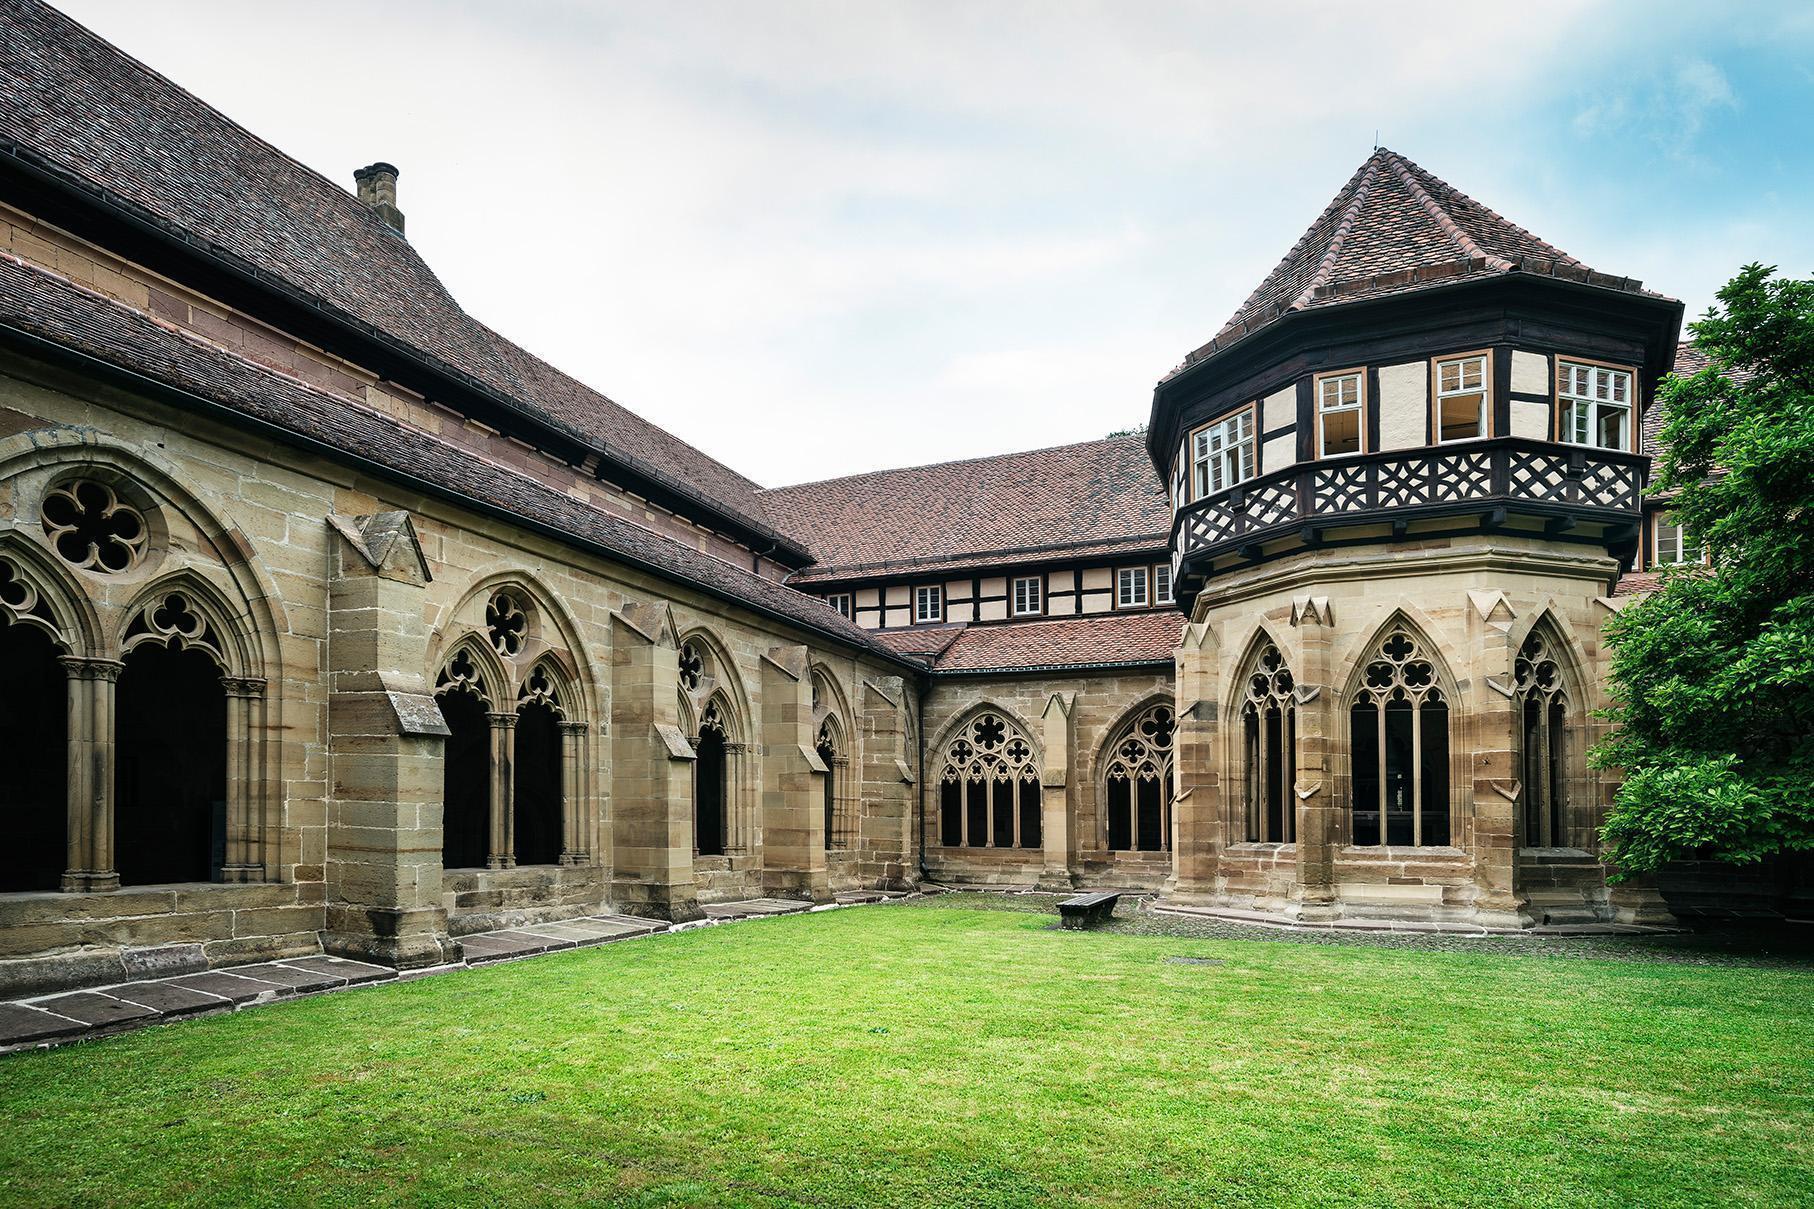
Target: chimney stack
<point x="378" y="189"/>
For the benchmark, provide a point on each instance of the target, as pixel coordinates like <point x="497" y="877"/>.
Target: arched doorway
<point x="466" y="765"/>
<point x="170" y="785"/>
<point x="34" y="807"/>
<point x="537" y="794"/>
<point x="709" y="785"/>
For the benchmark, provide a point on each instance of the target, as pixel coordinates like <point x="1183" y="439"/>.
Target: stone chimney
<point x="378" y="189"/>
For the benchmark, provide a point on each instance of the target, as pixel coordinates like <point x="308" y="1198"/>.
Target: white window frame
<point x="1587" y="389"/>
<point x="1342" y="407"/>
<point x="1222" y="453"/>
<point x="842" y="602"/>
<point x="1036" y="596"/>
<point x="1485" y="391"/>
<point x="1125" y="576"/>
<point x="925" y="595"/>
<point x="1679" y="547"/>
<point x="1162" y="584"/>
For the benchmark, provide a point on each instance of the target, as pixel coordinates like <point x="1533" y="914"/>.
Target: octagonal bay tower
<point x="1405" y="478"/>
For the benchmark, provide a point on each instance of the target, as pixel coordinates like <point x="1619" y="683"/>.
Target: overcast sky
<point x="816" y="239"/>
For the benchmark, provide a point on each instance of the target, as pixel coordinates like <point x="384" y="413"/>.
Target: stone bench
<point x="1087" y="910"/>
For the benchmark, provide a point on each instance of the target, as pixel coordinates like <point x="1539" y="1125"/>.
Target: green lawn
<point x="937" y="1055"/>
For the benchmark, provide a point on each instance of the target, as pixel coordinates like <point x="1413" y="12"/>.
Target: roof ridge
<point x="1444" y="221"/>
<point x="1333" y="251"/>
<point x="985" y="457"/>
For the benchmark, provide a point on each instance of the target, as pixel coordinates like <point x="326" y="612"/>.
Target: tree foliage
<point x="1713" y="674"/>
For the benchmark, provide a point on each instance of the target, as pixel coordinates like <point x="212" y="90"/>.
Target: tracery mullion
<point x="1417" y="771"/>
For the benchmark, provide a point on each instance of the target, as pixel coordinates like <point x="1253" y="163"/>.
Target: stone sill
<point x="1362" y="853"/>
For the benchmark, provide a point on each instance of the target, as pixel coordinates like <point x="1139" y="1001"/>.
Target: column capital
<point x="244" y="686"/>
<point x="501" y="720"/>
<point x="572" y="728"/>
<point x="81" y="667"/>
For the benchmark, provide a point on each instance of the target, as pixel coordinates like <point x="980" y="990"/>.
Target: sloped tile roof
<point x="76" y="105"/>
<point x="40" y="305"/>
<point x="1094" y="497"/>
<point x="1101" y="641"/>
<point x="1395" y="228"/>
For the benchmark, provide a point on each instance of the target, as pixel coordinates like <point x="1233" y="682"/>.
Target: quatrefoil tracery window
<point x="989" y="793"/>
<point x="1542" y="703"/>
<point x="1399" y="747"/>
<point x="1138" y="780"/>
<point x="692" y="666"/>
<point x="506" y="623"/>
<point x="92" y="529"/>
<point x="462" y="675"/>
<point x="173" y="620"/>
<point x="1269" y="738"/>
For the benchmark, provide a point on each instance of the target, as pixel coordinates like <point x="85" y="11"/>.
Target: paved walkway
<point x="48" y="1020"/>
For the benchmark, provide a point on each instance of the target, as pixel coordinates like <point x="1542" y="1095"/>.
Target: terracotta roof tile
<point x="51" y="309"/>
<point x="1094" y="497"/>
<point x="1071" y="642"/>
<point x="1395" y="228"/>
<point x="77" y="106"/>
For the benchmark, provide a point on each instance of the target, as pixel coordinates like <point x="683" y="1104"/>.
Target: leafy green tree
<point x="1713" y="674"/>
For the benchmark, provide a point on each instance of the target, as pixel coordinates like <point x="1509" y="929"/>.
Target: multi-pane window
<point x="1461" y="398"/>
<point x="1130" y="588"/>
<point x="1026" y="596"/>
<point x="840" y="601"/>
<point x="1162" y="584"/>
<point x="1338" y="415"/>
<point x="1222" y="453"/>
<point x="1596" y="404"/>
<point x="1676" y="545"/>
<point x="929" y="604"/>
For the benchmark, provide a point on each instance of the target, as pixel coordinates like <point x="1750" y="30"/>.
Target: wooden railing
<point x="1530" y="477"/>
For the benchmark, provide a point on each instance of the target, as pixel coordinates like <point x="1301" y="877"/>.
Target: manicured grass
<point x="932" y="1056"/>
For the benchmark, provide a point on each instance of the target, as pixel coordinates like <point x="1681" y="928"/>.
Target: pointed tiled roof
<point x="1395" y="228"/>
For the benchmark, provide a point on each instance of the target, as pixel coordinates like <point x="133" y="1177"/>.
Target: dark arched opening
<point x="34" y="806"/>
<point x="828" y="755"/>
<point x="170" y="789"/>
<point x="537" y="788"/>
<point x="708" y="793"/>
<point x="466" y="796"/>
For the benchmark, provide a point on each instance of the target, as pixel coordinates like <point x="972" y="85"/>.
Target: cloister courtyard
<point x="961" y="1048"/>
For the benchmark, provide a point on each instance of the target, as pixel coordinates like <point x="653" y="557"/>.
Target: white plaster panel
<point x="959" y="589"/>
<point x="1530" y="419"/>
<point x="995" y="585"/>
<point x="1098" y="603"/>
<point x="960" y="612"/>
<point x="897" y="594"/>
<point x="1061" y="606"/>
<point x="868" y="597"/>
<point x="1096" y="577"/>
<point x="1403" y="405"/>
<point x="993" y="610"/>
<point x="1530" y="373"/>
<point x="1279" y="409"/>
<point x="1278" y="453"/>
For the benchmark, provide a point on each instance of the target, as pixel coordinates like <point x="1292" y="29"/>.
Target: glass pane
<point x="1611" y="433"/>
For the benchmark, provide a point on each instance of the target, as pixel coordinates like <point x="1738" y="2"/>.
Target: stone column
<point x="1198" y="823"/>
<point x="1493" y="785"/>
<point x="651" y="770"/>
<point x="1317" y="819"/>
<point x="574" y="794"/>
<point x="386" y="740"/>
<point x="245" y="779"/>
<point x="1057" y="796"/>
<point x="501" y="852"/>
<point x="887" y="842"/>
<point x="793" y="795"/>
<point x="89" y="864"/>
<point x="739" y="826"/>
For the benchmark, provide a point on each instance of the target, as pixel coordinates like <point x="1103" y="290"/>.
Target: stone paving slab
<point x="20" y="1023"/>
<point x="346" y="971"/>
<point x="94" y="1009"/>
<point x="298" y="982"/>
<point x="168" y="999"/>
<point x="489" y="946"/>
<point x="230" y="986"/>
<point x="534" y="942"/>
<point x="744" y="908"/>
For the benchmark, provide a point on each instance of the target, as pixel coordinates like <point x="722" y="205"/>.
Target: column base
<point x="402" y="939"/>
<point x="1060" y="881"/>
<point x="240" y="874"/>
<point x="657" y="902"/>
<point x="89" y="881"/>
<point x="501" y="862"/>
<point x="810" y="887"/>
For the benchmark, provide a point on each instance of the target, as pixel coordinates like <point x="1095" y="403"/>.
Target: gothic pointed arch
<point x="1263" y="701"/>
<point x="1402" y="701"/>
<point x="833" y="731"/>
<point x="1135" y="776"/>
<point x="185" y="610"/>
<point x="38" y="592"/>
<point x="1549" y="703"/>
<point x="987" y="773"/>
<point x="39" y="634"/>
<point x="524" y="623"/>
<point x="706" y="668"/>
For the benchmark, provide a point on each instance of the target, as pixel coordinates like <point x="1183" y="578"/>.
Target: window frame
<point x="1662" y="521"/>
<point x="1252" y="461"/>
<point x="844" y="603"/>
<point x="1487" y="428"/>
<point x="1359" y="374"/>
<point x="920" y="596"/>
<point x="1146" y="588"/>
<point x="1039" y="595"/>
<point x="1169" y="598"/>
<point x="1560" y="427"/>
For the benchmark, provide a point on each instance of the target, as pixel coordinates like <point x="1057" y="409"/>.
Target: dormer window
<point x="1130" y="588"/>
<point x="1461" y="398"/>
<point x="1222" y="453"/>
<point x="928" y="604"/>
<point x="1676" y="546"/>
<point x="1026" y="596"/>
<point x="1339" y="425"/>
<point x="839" y="601"/>
<point x="1596" y="404"/>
